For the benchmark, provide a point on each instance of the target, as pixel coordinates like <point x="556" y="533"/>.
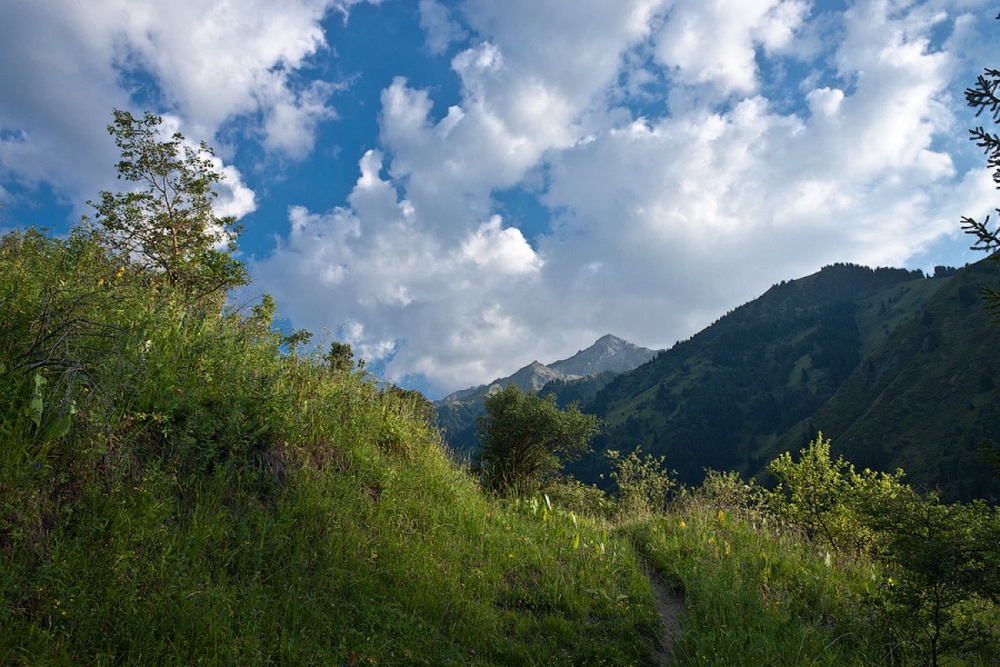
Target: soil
<point x="670" y="605"/>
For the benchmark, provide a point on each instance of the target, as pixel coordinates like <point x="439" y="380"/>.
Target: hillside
<point x="179" y="487"/>
<point x="175" y="490"/>
<point x="753" y="383"/>
<point x="925" y="397"/>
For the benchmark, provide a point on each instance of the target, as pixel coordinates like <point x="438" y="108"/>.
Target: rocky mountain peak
<point x="608" y="353"/>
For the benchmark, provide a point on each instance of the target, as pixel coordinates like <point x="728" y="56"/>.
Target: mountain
<point x="926" y="398"/>
<point x="594" y="366"/>
<point x="893" y="365"/>
<point x="609" y="353"/>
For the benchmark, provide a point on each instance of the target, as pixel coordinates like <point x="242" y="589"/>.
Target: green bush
<point x="939" y="561"/>
<point x="524" y="439"/>
<point x="643" y="483"/>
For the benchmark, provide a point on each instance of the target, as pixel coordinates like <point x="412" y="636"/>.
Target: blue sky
<point x="459" y="188"/>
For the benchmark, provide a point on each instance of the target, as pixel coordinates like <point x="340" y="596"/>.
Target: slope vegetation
<point x="926" y="397"/>
<point x="720" y="399"/>
<point x="177" y="489"/>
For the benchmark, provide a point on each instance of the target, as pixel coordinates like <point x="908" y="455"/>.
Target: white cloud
<point x="503" y="250"/>
<point x="715" y="43"/>
<point x="662" y="222"/>
<point x="67" y="64"/>
<point x="235" y="198"/>
<point x="378" y="274"/>
<point x="689" y="155"/>
<point x="441" y="30"/>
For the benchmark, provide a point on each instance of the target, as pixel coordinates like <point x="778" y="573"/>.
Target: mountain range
<point x="608" y="356"/>
<point x="894" y="366"/>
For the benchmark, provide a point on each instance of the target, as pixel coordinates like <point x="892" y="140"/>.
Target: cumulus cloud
<point x="658" y="222"/>
<point x="381" y="275"/>
<point x="67" y="64"/>
<point x="716" y="43"/>
<point x="503" y="250"/>
<point x="678" y="156"/>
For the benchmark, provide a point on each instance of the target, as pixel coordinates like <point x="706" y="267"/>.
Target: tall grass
<point x="217" y="501"/>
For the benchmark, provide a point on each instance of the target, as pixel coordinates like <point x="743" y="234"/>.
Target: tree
<point x="945" y="581"/>
<point x="166" y="227"/>
<point x="984" y="99"/>
<point x="524" y="439"/>
<point x="340" y="358"/>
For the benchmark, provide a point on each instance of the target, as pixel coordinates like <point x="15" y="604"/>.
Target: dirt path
<point x="670" y="605"/>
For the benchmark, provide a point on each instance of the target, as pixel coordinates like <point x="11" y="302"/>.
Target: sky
<point x="459" y="188"/>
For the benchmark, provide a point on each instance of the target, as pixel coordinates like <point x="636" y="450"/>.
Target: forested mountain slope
<point x="746" y="387"/>
<point x="926" y="397"/>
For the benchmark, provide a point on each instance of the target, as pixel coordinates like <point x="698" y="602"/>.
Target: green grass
<point x="218" y="501"/>
<point x="176" y="489"/>
<point x="754" y="596"/>
<point x="390" y="562"/>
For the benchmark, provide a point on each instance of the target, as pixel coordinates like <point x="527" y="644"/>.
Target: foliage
<point x="167" y="227"/>
<point x="525" y="438"/>
<point x="581" y="499"/>
<point x="340" y="357"/>
<point x="822" y="496"/>
<point x="215" y="496"/>
<point x="643" y="482"/>
<point x="940" y="560"/>
<point x="944" y="566"/>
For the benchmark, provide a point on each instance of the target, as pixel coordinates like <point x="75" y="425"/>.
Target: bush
<point x="940" y="562"/>
<point x="524" y="439"/>
<point x="643" y="483"/>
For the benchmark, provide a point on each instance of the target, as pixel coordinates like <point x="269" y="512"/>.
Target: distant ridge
<point x="457" y="412"/>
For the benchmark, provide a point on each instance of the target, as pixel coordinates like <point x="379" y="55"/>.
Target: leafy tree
<point x="166" y="226"/>
<point x="524" y="439"/>
<point x="942" y="561"/>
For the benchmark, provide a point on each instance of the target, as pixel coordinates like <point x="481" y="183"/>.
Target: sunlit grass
<point x="756" y="594"/>
<point x="218" y="501"/>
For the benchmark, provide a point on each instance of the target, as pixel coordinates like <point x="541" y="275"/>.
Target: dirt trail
<point x="670" y="605"/>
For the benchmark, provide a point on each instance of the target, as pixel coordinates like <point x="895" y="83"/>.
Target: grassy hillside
<point x="176" y="489"/>
<point x="178" y="486"/>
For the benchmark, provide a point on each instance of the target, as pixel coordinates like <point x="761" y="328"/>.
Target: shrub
<point x="643" y="483"/>
<point x="524" y="439"/>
